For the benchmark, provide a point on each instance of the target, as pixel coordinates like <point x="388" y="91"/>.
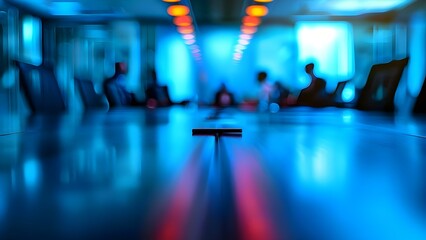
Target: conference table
<point x="298" y="173"/>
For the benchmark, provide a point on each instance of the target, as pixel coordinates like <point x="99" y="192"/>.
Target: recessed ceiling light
<point x="257" y="10"/>
<point x="188" y="36"/>
<point x="243" y="42"/>
<point x="186" y="30"/>
<point x="240" y="47"/>
<point x="246" y="36"/>
<point x="190" y="41"/>
<point x="248" y="30"/>
<point x="251" y="21"/>
<point x="178" y="10"/>
<point x="183" y="21"/>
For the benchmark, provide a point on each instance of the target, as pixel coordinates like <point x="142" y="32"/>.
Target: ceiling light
<point x="186" y="30"/>
<point x="171" y="1"/>
<point x="367" y="6"/>
<point x="246" y="36"/>
<point x="243" y="42"/>
<point x="188" y="36"/>
<point x="183" y="21"/>
<point x="251" y="21"/>
<point x="257" y="10"/>
<point x="248" y="30"/>
<point x="190" y="41"/>
<point x="238" y="55"/>
<point x="264" y="1"/>
<point x="241" y="47"/>
<point x="178" y="10"/>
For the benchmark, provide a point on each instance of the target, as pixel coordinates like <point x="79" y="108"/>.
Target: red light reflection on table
<point x="173" y="224"/>
<point x="252" y="210"/>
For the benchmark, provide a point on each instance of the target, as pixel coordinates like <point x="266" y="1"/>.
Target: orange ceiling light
<point x="257" y="10"/>
<point x="186" y="30"/>
<point x="171" y="1"/>
<point x="178" y="10"/>
<point x="264" y="1"/>
<point x="182" y="21"/>
<point x="248" y="30"/>
<point x="251" y="21"/>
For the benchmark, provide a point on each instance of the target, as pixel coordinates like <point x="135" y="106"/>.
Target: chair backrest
<point x="90" y="98"/>
<point x="420" y="105"/>
<point x="40" y="89"/>
<point x="159" y="94"/>
<point x="379" y="92"/>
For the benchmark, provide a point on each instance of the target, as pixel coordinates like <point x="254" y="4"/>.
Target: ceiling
<point x="207" y="11"/>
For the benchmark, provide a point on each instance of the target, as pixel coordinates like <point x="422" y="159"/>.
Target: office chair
<point x="40" y="89"/>
<point x="382" y="83"/>
<point x="91" y="99"/>
<point x="420" y="105"/>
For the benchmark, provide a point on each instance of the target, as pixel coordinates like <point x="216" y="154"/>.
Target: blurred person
<point x="314" y="95"/>
<point x="157" y="95"/>
<point x="115" y="88"/>
<point x="223" y="97"/>
<point x="265" y="90"/>
<point x="279" y="94"/>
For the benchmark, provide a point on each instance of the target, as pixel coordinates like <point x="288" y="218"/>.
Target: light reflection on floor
<point x="136" y="174"/>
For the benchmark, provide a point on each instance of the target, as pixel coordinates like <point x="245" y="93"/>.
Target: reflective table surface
<point x="140" y="174"/>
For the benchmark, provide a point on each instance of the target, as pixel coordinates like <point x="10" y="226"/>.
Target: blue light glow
<point x="174" y="65"/>
<point x="329" y="45"/>
<point x="362" y="6"/>
<point x="221" y="45"/>
<point x="65" y="8"/>
<point x="348" y="93"/>
<point x="27" y="30"/>
<point x="417" y="38"/>
<point x="31" y="39"/>
<point x="276" y="52"/>
<point x="219" y="66"/>
<point x="32" y="173"/>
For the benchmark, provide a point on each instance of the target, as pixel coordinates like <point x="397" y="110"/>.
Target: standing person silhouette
<point x="265" y="91"/>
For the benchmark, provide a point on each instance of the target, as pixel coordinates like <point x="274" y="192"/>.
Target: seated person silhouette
<point x="314" y="95"/>
<point x="279" y="94"/>
<point x="115" y="88"/>
<point x="223" y="98"/>
<point x="157" y="95"/>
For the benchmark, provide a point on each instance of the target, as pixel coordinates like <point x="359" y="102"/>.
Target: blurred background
<point x="84" y="38"/>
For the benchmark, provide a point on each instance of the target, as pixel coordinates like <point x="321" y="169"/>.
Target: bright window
<point x="330" y="46"/>
<point x="31" y="39"/>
